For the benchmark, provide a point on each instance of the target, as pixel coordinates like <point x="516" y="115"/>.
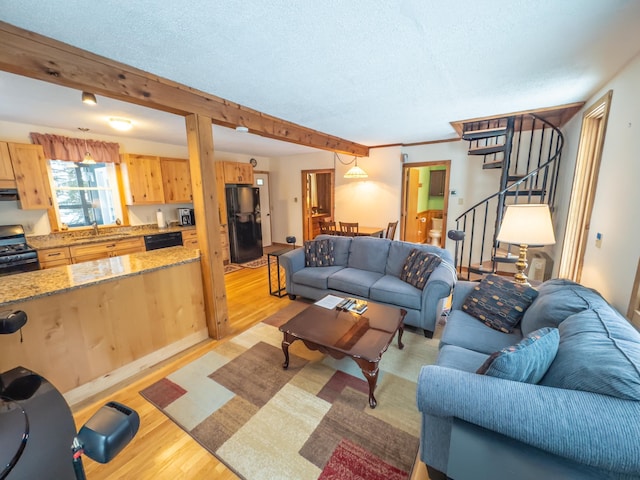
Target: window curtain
<point x="57" y="147"/>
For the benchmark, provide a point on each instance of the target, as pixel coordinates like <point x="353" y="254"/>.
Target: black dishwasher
<point x="162" y="240"/>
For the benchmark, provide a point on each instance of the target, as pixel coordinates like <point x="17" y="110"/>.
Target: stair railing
<point x="477" y="250"/>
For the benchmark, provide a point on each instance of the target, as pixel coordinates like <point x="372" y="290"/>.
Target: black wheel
<point x="292" y="297"/>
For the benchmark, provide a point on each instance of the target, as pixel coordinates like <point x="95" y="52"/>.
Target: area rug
<point x="232" y="267"/>
<point x="260" y="262"/>
<point x="311" y="421"/>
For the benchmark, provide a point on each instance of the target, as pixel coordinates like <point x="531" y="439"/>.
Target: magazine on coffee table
<point x="329" y="302"/>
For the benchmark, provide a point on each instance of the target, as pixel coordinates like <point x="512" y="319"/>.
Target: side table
<point x="277" y="286"/>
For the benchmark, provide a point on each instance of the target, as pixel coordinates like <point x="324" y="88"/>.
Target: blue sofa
<point x="370" y="268"/>
<point x="581" y="420"/>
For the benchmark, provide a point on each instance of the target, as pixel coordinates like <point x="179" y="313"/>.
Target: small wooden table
<point x="370" y="232"/>
<point x="340" y="334"/>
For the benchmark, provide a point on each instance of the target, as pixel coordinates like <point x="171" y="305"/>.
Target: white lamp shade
<point x="527" y="224"/>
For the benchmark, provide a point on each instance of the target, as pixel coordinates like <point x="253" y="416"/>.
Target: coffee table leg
<point x="370" y="371"/>
<point x="286" y="341"/>
<point x="400" y="332"/>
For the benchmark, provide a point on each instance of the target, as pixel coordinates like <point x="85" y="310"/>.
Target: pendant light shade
<point x="88" y="158"/>
<point x="89" y="98"/>
<point x="356" y="172"/>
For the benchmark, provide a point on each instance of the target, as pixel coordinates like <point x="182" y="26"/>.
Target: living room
<point x="609" y="267"/>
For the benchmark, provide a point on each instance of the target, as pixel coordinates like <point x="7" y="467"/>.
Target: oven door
<point x="22" y="263"/>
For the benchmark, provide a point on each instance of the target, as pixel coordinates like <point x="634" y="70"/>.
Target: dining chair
<point x="391" y="230"/>
<point x="349" y="229"/>
<point x="328" y="227"/>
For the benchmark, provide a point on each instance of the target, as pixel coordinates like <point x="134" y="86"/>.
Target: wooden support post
<point x="205" y="202"/>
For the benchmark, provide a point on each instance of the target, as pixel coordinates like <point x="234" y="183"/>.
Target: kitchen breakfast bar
<point x="93" y="324"/>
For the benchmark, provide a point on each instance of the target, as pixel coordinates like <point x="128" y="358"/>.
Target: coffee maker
<point x="186" y="216"/>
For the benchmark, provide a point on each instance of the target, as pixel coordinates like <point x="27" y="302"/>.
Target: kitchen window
<point x="85" y="193"/>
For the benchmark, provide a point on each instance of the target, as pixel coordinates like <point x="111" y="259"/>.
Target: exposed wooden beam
<point x="36" y="56"/>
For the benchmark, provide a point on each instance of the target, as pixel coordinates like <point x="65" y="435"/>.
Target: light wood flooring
<point x="162" y="450"/>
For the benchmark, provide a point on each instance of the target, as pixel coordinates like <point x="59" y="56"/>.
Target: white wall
<point x="611" y="269"/>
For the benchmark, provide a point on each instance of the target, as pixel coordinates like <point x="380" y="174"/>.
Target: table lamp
<point x="525" y="225"/>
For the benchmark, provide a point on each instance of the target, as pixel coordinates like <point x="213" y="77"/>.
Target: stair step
<point x="487" y="149"/>
<point x="479" y="269"/>
<point x="482" y="134"/>
<point x="505" y="257"/>
<point x="514" y="178"/>
<point x="525" y="193"/>
<point x="492" y="165"/>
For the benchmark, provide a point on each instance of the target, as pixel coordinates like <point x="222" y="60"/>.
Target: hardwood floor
<point x="162" y="450"/>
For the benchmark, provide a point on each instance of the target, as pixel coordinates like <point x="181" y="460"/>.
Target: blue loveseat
<point x="370" y="268"/>
<point x="581" y="420"/>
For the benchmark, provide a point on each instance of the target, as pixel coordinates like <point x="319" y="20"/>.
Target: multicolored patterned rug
<point x="311" y="421"/>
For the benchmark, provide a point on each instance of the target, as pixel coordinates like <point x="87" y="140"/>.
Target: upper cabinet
<point x="436" y="183"/>
<point x="7" y="177"/>
<point x="235" y="172"/>
<point x="31" y="176"/>
<point x="142" y="176"/>
<point x="176" y="180"/>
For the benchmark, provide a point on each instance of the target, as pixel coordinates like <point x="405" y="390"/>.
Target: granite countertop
<point x="31" y="285"/>
<point x="67" y="239"/>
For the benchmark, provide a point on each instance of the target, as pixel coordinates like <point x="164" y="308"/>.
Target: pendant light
<point x="89" y="98"/>
<point x="88" y="158"/>
<point x="356" y="172"/>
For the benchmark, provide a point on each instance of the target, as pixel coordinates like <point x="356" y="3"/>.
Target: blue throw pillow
<point x="527" y="361"/>
<point x="599" y="352"/>
<point x="499" y="302"/>
<point x="318" y="253"/>
<point x="418" y="267"/>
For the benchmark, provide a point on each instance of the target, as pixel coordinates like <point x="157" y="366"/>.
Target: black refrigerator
<point x="245" y="230"/>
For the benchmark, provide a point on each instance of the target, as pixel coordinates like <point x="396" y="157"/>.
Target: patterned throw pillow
<point x="526" y="361"/>
<point x="418" y="267"/>
<point x="319" y="253"/>
<point x="499" y="303"/>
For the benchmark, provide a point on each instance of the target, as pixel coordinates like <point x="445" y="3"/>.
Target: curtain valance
<point x="57" y="147"/>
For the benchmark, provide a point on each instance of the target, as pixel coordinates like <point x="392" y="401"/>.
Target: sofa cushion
<point x="459" y="358"/>
<point x="341" y="247"/>
<point x="369" y="253"/>
<point x="318" y="253"/>
<point x="499" y="302"/>
<point x="418" y="266"/>
<point x="528" y="360"/>
<point x="315" y="276"/>
<point x="466" y="331"/>
<point x="390" y="289"/>
<point x="558" y="299"/>
<point x="599" y="352"/>
<point x="353" y="281"/>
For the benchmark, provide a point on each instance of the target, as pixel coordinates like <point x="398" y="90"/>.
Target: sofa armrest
<point x="463" y="288"/>
<point x="586" y="427"/>
<point x="439" y="285"/>
<point x="292" y="262"/>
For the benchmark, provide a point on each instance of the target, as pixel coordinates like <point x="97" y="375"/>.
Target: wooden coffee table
<point x="340" y="334"/>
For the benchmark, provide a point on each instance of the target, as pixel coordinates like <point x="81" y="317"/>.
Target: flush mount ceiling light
<point x="121" y="124"/>
<point x="242" y="129"/>
<point x="89" y="98"/>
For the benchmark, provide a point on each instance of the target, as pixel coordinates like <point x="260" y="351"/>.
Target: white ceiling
<point x="371" y="71"/>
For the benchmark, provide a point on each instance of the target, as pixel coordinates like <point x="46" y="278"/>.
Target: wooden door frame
<point x="403" y="195"/>
<point x="306" y="215"/>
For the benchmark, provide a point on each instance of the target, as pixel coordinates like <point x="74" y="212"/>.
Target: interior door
<point x="261" y="180"/>
<point x="412" y="222"/>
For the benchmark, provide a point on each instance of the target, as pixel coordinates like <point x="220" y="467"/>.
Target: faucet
<point x="94" y="224"/>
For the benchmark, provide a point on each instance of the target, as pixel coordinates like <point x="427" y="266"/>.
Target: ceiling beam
<point x="36" y="56"/>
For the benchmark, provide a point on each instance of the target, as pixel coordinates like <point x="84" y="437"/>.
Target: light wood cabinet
<point x="96" y="251"/>
<point x="142" y="175"/>
<point x="32" y="177"/>
<point x="176" y="180"/>
<point x="190" y="238"/>
<point x="7" y="177"/>
<point x="224" y="241"/>
<point x="236" y="172"/>
<point x="221" y="194"/>
<point x="54" y="257"/>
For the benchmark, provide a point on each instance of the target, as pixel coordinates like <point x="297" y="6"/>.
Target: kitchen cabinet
<point x="32" y="176"/>
<point x="142" y="175"/>
<point x="190" y="238"/>
<point x="176" y="180"/>
<point x="96" y="251"/>
<point x="54" y="257"/>
<point x="221" y="194"/>
<point x="7" y="177"/>
<point x="236" y="172"/>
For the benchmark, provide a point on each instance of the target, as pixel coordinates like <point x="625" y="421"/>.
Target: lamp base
<point x="521" y="265"/>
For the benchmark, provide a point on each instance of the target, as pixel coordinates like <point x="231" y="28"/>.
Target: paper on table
<point x="329" y="302"/>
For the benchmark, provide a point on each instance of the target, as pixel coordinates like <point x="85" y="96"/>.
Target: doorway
<point x="261" y="180"/>
<point x="318" y="200"/>
<point x="425" y="202"/>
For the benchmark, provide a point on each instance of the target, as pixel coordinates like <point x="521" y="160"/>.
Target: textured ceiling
<point x="371" y="71"/>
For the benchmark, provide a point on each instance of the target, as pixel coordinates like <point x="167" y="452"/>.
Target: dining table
<point x="370" y="232"/>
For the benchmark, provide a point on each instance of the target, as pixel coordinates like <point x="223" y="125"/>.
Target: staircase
<point x="527" y="150"/>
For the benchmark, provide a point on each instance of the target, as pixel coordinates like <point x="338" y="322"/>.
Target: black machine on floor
<point x="38" y="437"/>
<point x="245" y="228"/>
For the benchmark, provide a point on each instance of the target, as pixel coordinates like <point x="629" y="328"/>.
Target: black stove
<point x="15" y="255"/>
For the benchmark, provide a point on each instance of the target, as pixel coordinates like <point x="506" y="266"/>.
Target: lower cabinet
<point x="96" y="251"/>
<point x="190" y="238"/>
<point x="54" y="257"/>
